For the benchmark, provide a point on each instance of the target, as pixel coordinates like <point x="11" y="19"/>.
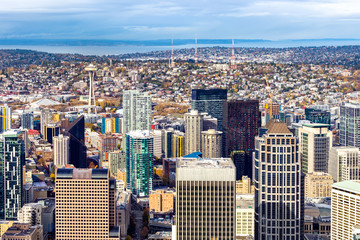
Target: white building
<point x="31" y="213"/>
<point x="244" y="215"/>
<point x="61" y="150"/>
<point x="193" y="127"/>
<point x="344" y="163"/>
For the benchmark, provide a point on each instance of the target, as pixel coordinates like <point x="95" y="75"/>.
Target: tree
<point x="128" y="237"/>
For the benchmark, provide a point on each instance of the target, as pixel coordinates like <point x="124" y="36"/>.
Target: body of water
<point x="123" y="49"/>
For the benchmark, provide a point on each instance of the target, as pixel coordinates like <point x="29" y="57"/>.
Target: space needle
<point x="92" y="70"/>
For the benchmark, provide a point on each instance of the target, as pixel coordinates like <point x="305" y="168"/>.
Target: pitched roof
<point x="277" y="126"/>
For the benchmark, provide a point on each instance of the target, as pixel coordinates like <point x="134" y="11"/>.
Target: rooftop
<point x="205" y="163"/>
<point x="78" y="173"/>
<point x="352" y="186"/>
<point x="277" y="126"/>
<point x="139" y="134"/>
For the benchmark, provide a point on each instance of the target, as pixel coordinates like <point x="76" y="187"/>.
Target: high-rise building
<point x="243" y="123"/>
<point x="178" y="144"/>
<point x="244" y="186"/>
<point x="117" y="160"/>
<point x="85" y="204"/>
<point x="139" y="156"/>
<point x="315" y="141"/>
<point x="243" y="163"/>
<point x="76" y="132"/>
<point x="137" y="111"/>
<point x="345" y="202"/>
<point x="51" y="130"/>
<point x="61" y="145"/>
<point x="166" y="142"/>
<point x="158" y="145"/>
<point x="111" y="125"/>
<point x="205" y="199"/>
<point x="45" y="119"/>
<point x="279" y="192"/>
<point x="350" y="124"/>
<point x="5" y="118"/>
<point x="213" y="102"/>
<point x="27" y="120"/>
<point x="108" y="143"/>
<point x="344" y="163"/>
<point x="193" y="128"/>
<point x="211" y="143"/>
<point x="318" y="184"/>
<point x="12" y="158"/>
<point x="317" y="116"/>
<point x="31" y="213"/>
<point x="244" y="216"/>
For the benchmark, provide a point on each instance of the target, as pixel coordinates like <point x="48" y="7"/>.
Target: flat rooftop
<point x="205" y="163"/>
<point x="351" y="186"/>
<point x="244" y="201"/>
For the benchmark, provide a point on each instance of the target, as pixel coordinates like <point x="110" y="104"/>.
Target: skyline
<point x="109" y="19"/>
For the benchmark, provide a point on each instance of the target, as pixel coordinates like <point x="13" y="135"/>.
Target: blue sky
<point x="161" y="19"/>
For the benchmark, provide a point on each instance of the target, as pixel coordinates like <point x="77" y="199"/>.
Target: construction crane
<point x="271" y="97"/>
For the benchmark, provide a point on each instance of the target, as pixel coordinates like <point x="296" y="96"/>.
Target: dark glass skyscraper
<point x="317" y="115"/>
<point x="12" y="158"/>
<point x="76" y="132"/>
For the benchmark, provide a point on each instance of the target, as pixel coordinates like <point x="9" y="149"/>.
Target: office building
<point x="344" y="164"/>
<point x="117" y="160"/>
<point x="166" y="143"/>
<point x="318" y="184"/>
<point x="76" y="132"/>
<point x="279" y="192"/>
<point x="211" y="143"/>
<point x="139" y="156"/>
<point x="45" y="119"/>
<point x="205" y="199"/>
<point x="315" y="141"/>
<point x="193" y="128"/>
<point x="51" y="130"/>
<point x="243" y="123"/>
<point x="61" y="146"/>
<point x="23" y="231"/>
<point x="12" y="158"/>
<point x="244" y="216"/>
<point x="244" y="186"/>
<point x="158" y="145"/>
<point x="107" y="143"/>
<point x="178" y="144"/>
<point x="31" y="213"/>
<point x="243" y="163"/>
<point x="317" y="116"/>
<point x="137" y="111"/>
<point x="345" y="202"/>
<point x="27" y="120"/>
<point x="111" y="125"/>
<point x="162" y="201"/>
<point x="5" y="118"/>
<point x="85" y="204"/>
<point x="350" y="124"/>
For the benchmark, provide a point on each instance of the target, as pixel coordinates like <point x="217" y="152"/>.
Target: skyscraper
<point x="137" y="111"/>
<point x="111" y="125"/>
<point x="350" y="124"/>
<point x="279" y="192"/>
<point x="12" y="158"/>
<point x="205" y="199"/>
<point x="193" y="128"/>
<point x="315" y="141"/>
<point x="45" y="119"/>
<point x="52" y="130"/>
<point x="61" y="145"/>
<point x="139" y="156"/>
<point x="178" y="144"/>
<point x="243" y="123"/>
<point x="345" y="202"/>
<point x="5" y="118"/>
<point x="166" y="137"/>
<point x="243" y="163"/>
<point x="27" y="120"/>
<point x="211" y="143"/>
<point x="317" y="116"/>
<point x="85" y="204"/>
<point x="344" y="164"/>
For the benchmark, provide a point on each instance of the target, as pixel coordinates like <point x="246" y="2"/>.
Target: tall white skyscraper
<point x="345" y="211"/>
<point x="193" y="127"/>
<point x="315" y="141"/>
<point x="350" y="124"/>
<point x="279" y="193"/>
<point x="137" y="111"/>
<point x="344" y="163"/>
<point x="205" y="199"/>
<point x="61" y="150"/>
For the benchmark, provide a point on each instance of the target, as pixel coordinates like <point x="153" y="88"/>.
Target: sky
<point x="180" y="19"/>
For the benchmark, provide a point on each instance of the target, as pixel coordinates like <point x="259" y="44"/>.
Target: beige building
<point x="344" y="164"/>
<point x="205" y="199"/>
<point x="244" y="216"/>
<point x="23" y="231"/>
<point x="4" y="225"/>
<point x="123" y="212"/>
<point x="85" y="204"/>
<point x="315" y="141"/>
<point x="162" y="201"/>
<point x="61" y="150"/>
<point x="318" y="184"/>
<point x="244" y="186"/>
<point x="178" y="144"/>
<point x="31" y="213"/>
<point x="193" y="127"/>
<point x="345" y="215"/>
<point x="211" y="143"/>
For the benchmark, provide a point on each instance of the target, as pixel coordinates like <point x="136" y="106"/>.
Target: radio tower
<point x="92" y="70"/>
<point x="196" y="54"/>
<point x="232" y="60"/>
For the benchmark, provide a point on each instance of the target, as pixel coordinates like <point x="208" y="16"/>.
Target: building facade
<point x="318" y="184"/>
<point x="317" y="116"/>
<point x="279" y="193"/>
<point x="27" y="120"/>
<point x="5" y="118"/>
<point x="205" y="199"/>
<point x="162" y="201"/>
<point x="139" y="156"/>
<point x="350" y="124"/>
<point x="61" y="146"/>
<point x="244" y="216"/>
<point x="211" y="143"/>
<point x="31" y="213"/>
<point x="178" y="144"/>
<point x="193" y="128"/>
<point x="77" y="190"/>
<point x="344" y="164"/>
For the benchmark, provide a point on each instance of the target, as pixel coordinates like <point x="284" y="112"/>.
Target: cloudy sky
<point x="161" y="19"/>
